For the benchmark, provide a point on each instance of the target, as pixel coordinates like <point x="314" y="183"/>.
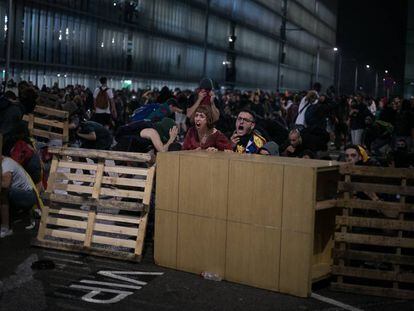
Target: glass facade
<point x="154" y="42"/>
<point x="409" y="54"/>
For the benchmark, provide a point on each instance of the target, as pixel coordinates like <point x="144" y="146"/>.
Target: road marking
<point x="110" y="284"/>
<point x="334" y="302"/>
<point x="118" y="275"/>
<point x="94" y="291"/>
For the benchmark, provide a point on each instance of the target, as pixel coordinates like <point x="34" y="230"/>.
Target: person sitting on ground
<point x="270" y="148"/>
<point x="245" y="138"/>
<point x="144" y="136"/>
<point x="17" y="193"/>
<point x="203" y="135"/>
<point x="294" y="147"/>
<point x="24" y="152"/>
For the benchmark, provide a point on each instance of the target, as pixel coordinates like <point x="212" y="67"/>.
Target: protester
<point x="203" y="135"/>
<point x="245" y="138"/>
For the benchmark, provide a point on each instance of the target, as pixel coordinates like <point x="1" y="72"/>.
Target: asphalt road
<point x="81" y="282"/>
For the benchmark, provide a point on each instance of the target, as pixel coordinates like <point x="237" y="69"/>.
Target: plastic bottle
<point x="211" y="276"/>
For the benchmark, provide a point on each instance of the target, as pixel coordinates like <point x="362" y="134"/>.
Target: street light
<point x="335" y="49"/>
<point x="386" y="71"/>
<point x="367" y="66"/>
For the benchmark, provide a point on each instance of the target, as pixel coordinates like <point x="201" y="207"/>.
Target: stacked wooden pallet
<point x="374" y="251"/>
<point x="97" y="208"/>
<point x="47" y="123"/>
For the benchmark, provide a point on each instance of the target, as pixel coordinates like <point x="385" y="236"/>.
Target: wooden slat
<point x="378" y="188"/>
<point x="382" y="172"/>
<point x="77" y="165"/>
<point x="52" y="175"/>
<point x="126" y="170"/>
<point x="116" y="229"/>
<point x="122" y="193"/>
<point x="76" y="236"/>
<point x="321" y="205"/>
<point x="73" y="188"/>
<point x="139" y="244"/>
<point x="117" y="242"/>
<point x="374" y="240"/>
<point x="103" y="154"/>
<point x="148" y="187"/>
<point x="90" y="227"/>
<point x="46" y="134"/>
<point x="81" y="249"/>
<point x="119" y="218"/>
<point x="120" y="181"/>
<point x="405" y="277"/>
<point x="66" y="223"/>
<point x="30" y="125"/>
<point x="75" y="177"/>
<point x="69" y="212"/>
<point x="52" y="123"/>
<point x="43" y="222"/>
<point x="366" y="222"/>
<point x="51" y="112"/>
<point x="110" y="204"/>
<point x="98" y="179"/>
<point x="375" y="291"/>
<point x="113" y="241"/>
<point x="373" y="256"/>
<point x="376" y="205"/>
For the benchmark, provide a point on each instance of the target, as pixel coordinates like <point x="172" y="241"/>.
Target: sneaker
<point x="31" y="225"/>
<point x="5" y="232"/>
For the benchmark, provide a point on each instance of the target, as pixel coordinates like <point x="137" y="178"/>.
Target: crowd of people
<point x="310" y="125"/>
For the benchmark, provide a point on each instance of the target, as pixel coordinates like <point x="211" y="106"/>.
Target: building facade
<point x="267" y="44"/>
<point x="409" y="53"/>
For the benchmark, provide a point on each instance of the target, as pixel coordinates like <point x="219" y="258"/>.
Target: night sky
<point x="373" y="32"/>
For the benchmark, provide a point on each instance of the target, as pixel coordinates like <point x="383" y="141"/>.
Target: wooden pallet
<point x="97" y="208"/>
<point x="374" y="250"/>
<point x="48" y="123"/>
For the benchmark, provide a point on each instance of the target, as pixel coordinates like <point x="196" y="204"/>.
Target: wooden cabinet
<point x="262" y="221"/>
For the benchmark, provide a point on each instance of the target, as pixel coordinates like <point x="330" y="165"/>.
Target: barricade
<point x="97" y="208"/>
<point x="374" y="250"/>
<point x="48" y="123"/>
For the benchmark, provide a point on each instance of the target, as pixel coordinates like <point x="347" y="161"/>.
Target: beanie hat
<point x="206" y="84"/>
<point x="272" y="148"/>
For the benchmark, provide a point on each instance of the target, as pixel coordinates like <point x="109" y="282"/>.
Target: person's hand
<point x="212" y="149"/>
<point x="201" y="95"/>
<point x="198" y="149"/>
<point x="290" y="149"/>
<point x="173" y="133"/>
<point x="212" y="97"/>
<point x="235" y="138"/>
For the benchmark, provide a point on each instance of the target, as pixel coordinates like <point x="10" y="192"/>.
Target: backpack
<point x="102" y="99"/>
<point x="144" y="112"/>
